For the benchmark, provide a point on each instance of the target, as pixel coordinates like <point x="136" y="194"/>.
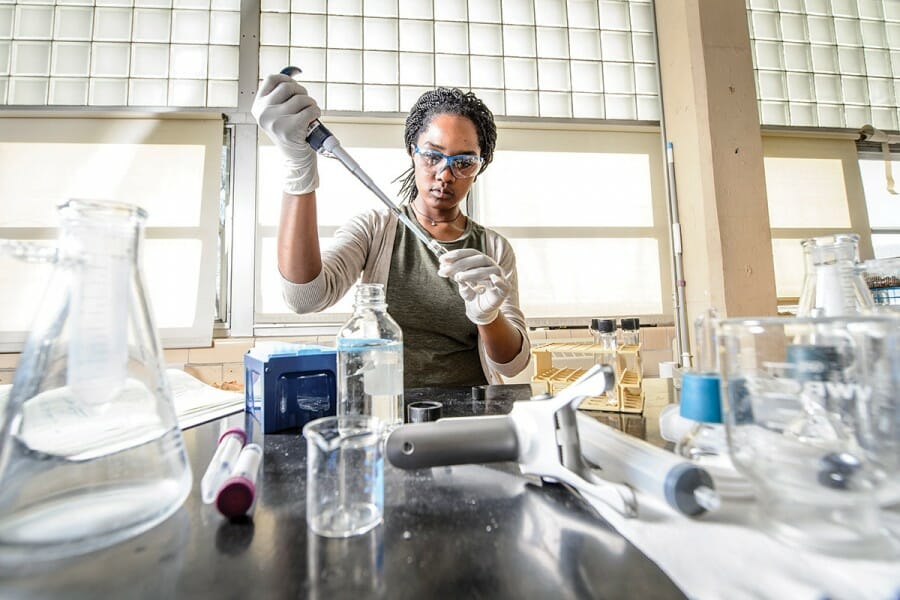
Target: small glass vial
<point x="631" y="331"/>
<point x="370" y="360"/>
<point x="604" y="331"/>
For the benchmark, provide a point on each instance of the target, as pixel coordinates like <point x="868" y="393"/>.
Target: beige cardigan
<point x="365" y="245"/>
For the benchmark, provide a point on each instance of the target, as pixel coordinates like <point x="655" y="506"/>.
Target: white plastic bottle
<point x="370" y="360"/>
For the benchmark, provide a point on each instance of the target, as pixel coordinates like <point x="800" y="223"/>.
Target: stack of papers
<point x="195" y="402"/>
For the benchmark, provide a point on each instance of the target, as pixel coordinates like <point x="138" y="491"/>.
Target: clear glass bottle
<point x="833" y="285"/>
<point x="370" y="359"/>
<point x="90" y="449"/>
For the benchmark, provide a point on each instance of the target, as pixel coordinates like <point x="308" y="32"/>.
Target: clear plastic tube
<point x="238" y="493"/>
<point x="222" y="463"/>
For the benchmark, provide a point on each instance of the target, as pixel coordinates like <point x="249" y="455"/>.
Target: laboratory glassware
<point x="370" y="359"/>
<point x="706" y="442"/>
<point x="604" y="331"/>
<point x="833" y="285"/>
<point x="631" y="331"/>
<point x="344" y="475"/>
<point x="882" y="276"/>
<point x="700" y="398"/>
<point x="90" y="449"/>
<point x="812" y="409"/>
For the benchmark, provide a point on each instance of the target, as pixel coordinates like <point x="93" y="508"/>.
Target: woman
<point x="452" y="334"/>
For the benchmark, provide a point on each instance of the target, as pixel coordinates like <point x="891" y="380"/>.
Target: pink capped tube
<point x="222" y="463"/>
<point x="237" y="494"/>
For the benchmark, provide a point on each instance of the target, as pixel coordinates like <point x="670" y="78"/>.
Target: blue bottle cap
<point x="700" y="397"/>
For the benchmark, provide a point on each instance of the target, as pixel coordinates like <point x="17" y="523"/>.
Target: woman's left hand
<point x="482" y="284"/>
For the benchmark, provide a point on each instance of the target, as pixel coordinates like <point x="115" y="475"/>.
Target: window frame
<point x="826" y="145"/>
<point x="68" y="127"/>
<point x="512" y="135"/>
<point x="868" y="153"/>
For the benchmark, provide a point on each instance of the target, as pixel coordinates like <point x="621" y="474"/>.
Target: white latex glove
<point x="481" y="283"/>
<point x="284" y="111"/>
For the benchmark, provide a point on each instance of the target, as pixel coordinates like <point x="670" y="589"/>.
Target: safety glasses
<point x="462" y="165"/>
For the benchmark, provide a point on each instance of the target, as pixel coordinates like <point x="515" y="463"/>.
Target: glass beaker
<point x="344" y="475"/>
<point x="813" y="420"/>
<point x="90" y="449"/>
<point x="833" y="286"/>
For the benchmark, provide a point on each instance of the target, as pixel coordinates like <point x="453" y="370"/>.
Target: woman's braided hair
<point x="442" y="101"/>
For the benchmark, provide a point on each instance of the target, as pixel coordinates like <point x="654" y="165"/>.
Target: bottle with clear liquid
<point x="833" y="285"/>
<point x="90" y="449"/>
<point x="370" y="360"/>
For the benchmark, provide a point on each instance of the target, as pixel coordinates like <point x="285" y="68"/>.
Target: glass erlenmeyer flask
<point x="90" y="449"/>
<point x="833" y="285"/>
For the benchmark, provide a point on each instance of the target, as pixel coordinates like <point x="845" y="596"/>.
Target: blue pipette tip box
<point x="287" y="385"/>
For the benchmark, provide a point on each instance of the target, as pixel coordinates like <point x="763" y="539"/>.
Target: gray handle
<point x="458" y="441"/>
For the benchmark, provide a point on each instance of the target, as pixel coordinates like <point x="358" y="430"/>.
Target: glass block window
<point x="150" y="53"/>
<point x="529" y="58"/>
<point x="827" y="63"/>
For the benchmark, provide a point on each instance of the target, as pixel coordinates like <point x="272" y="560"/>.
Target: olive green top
<point x="440" y="344"/>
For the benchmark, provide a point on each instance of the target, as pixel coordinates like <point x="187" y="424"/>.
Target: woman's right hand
<point x="284" y="110"/>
